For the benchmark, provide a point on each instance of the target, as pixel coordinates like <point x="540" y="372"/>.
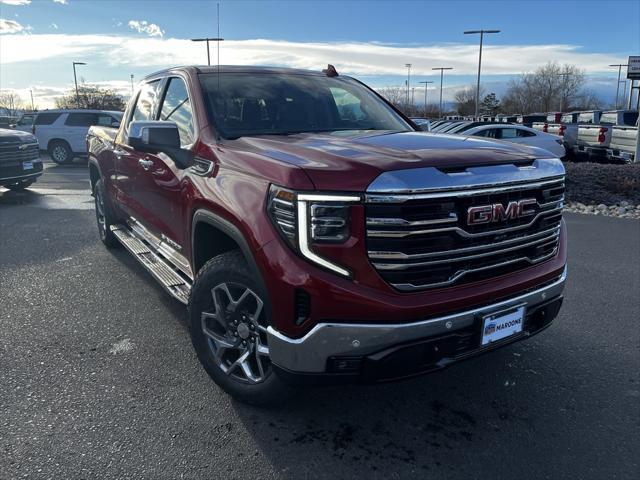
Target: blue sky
<point x="371" y="40"/>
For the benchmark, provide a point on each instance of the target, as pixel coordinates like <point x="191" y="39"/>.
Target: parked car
<point x="594" y="139"/>
<point x="521" y="135"/>
<point x="528" y="120"/>
<point x="552" y="118"/>
<point x="20" y="163"/>
<point x="25" y="122"/>
<point x="62" y="133"/>
<point x="314" y="246"/>
<point x="622" y="147"/>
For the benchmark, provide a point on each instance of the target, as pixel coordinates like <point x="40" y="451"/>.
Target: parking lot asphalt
<point x="98" y="378"/>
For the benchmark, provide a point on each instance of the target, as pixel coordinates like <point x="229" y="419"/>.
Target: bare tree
<point x="465" y="100"/>
<point x="91" y="97"/>
<point x="551" y="87"/>
<point x="395" y="95"/>
<point x="11" y="103"/>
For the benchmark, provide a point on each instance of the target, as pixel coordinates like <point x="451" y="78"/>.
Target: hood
<point x="15" y="136"/>
<point x="350" y="161"/>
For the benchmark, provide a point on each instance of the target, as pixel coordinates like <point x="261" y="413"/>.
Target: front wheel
<point x="229" y="319"/>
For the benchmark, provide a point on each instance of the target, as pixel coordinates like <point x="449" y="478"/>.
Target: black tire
<point x="18" y="187"/>
<point x="231" y="269"/>
<point x="104" y="216"/>
<point x="60" y="152"/>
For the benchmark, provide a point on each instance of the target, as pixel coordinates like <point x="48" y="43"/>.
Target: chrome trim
<point x="408" y="287"/>
<point x="405" y="256"/>
<point x="431" y="179"/>
<point x="458" y="230"/>
<point x="193" y="169"/>
<point x="471" y="191"/>
<point x="22" y="177"/>
<point x="401" y="222"/>
<point x="406" y="266"/>
<point x="309" y="354"/>
<point x="161" y="246"/>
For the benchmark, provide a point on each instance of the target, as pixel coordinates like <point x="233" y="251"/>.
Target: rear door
<point x="76" y="127"/>
<point x="161" y="194"/>
<point x="130" y="174"/>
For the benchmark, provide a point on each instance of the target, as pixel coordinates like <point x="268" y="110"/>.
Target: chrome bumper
<point x="309" y="354"/>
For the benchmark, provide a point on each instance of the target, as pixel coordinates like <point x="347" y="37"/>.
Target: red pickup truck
<point x="317" y="235"/>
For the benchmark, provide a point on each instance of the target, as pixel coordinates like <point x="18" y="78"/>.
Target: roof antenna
<point x="330" y="71"/>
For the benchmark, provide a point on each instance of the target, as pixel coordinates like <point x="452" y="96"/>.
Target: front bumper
<point x="330" y="346"/>
<point x="13" y="179"/>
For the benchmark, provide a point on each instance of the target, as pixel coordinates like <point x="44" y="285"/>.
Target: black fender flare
<point x="229" y="229"/>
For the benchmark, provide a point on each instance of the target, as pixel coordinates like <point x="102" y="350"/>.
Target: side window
<point x="489" y="133"/>
<point x="46" y="118"/>
<point x="348" y="105"/>
<point x="81" y="119"/>
<point x="146" y="100"/>
<point x="507" y="133"/>
<point x="525" y="133"/>
<point x="105" y="120"/>
<point x="176" y="107"/>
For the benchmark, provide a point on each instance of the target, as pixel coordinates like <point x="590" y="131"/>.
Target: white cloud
<point x="54" y="25"/>
<point x="142" y="26"/>
<point x="10" y="26"/>
<point x="349" y="58"/>
<point x="16" y="2"/>
<point x="61" y="2"/>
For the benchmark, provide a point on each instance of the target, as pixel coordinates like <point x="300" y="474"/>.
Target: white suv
<point x="63" y="132"/>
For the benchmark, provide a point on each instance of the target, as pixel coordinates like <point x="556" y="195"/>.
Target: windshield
<point x="279" y="104"/>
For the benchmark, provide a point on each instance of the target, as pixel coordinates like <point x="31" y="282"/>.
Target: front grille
<point x="12" y="154"/>
<point x="423" y="241"/>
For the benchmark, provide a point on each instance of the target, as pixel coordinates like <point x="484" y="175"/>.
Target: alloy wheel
<point x="59" y="154"/>
<point x="236" y="332"/>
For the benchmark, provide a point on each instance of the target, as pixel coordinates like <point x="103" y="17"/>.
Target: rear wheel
<point x="60" y="152"/>
<point x="229" y="319"/>
<point x="104" y="217"/>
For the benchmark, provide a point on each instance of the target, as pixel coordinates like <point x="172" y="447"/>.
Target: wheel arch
<point x="57" y="140"/>
<point x="206" y="225"/>
<point x="94" y="172"/>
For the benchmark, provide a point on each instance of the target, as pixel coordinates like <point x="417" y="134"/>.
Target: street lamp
<point x="481" y="32"/>
<point x="75" y="79"/>
<point x="408" y="65"/>
<point x="132" y="84"/>
<point x="426" y="84"/>
<point x="209" y="40"/>
<point x="619" y="65"/>
<point x="442" y="69"/>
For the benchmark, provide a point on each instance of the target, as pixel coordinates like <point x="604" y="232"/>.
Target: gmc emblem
<point x="497" y="212"/>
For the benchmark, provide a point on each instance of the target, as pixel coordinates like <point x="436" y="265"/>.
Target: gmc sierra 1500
<point x="316" y="234"/>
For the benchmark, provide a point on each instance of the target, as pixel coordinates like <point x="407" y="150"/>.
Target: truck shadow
<point x="398" y="430"/>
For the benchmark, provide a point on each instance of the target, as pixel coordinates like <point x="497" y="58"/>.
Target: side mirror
<point x="154" y="136"/>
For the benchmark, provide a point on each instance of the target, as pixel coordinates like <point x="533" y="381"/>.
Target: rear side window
<point x="630" y="118"/>
<point x="585" y="117"/>
<point x="46" y="118"/>
<point x="524" y="133"/>
<point x="567" y="119"/>
<point x="609" y="118"/>
<point x="508" y="133"/>
<point x="176" y="107"/>
<point x="81" y="119"/>
<point x="146" y="101"/>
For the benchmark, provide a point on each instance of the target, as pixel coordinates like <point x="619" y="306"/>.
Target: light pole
<point x="408" y="65"/>
<point x="426" y="84"/>
<point x="442" y="69"/>
<point x="32" y="105"/>
<point x="564" y="81"/>
<point x="481" y="32"/>
<point x="132" y="84"/>
<point x="619" y="65"/>
<point x="209" y="40"/>
<point x="75" y="79"/>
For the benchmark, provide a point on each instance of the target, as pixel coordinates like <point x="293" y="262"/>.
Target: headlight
<point x="304" y="219"/>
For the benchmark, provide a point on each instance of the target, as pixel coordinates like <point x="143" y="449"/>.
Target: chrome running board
<point x="160" y="268"/>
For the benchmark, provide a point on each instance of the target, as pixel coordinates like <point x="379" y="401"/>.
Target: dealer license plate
<point x="502" y="325"/>
<point x="27" y="165"/>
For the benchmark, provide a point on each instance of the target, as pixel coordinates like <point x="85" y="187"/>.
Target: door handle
<point x="146" y="164"/>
